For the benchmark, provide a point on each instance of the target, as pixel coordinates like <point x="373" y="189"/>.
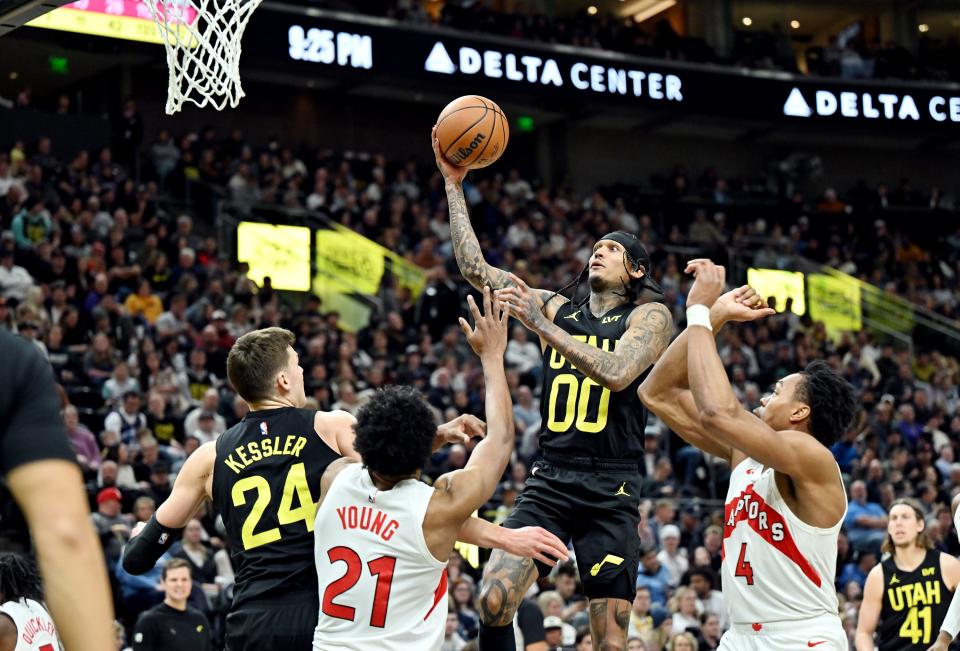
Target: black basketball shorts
<point x="595" y="504"/>
<point x="285" y="623"/>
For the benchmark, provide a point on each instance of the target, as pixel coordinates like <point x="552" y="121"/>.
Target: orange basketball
<point x="472" y="131"/>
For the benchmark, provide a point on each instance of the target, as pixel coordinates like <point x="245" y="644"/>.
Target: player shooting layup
<point x="786" y="500"/>
<point x="587" y="488"/>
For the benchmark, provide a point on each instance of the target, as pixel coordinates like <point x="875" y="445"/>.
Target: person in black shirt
<point x="41" y="473"/>
<point x="596" y="351"/>
<point x="263" y="476"/>
<point x="173" y="624"/>
<point x="908" y="594"/>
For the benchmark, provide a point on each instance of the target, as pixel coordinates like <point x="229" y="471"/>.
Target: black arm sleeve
<point x="530" y="621"/>
<point x="31" y="428"/>
<point x="144" y="550"/>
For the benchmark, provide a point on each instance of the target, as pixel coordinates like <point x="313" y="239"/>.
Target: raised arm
<point x="666" y="391"/>
<point x="789" y="452"/>
<point x="149" y="541"/>
<point x="466" y="246"/>
<point x="460" y="493"/>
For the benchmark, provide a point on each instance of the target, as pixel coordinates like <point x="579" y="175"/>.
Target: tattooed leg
<point x="609" y="619"/>
<point x="505" y="580"/>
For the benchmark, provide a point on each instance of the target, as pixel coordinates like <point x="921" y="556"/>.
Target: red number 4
<point x="381" y="567"/>
<point x="743" y="567"/>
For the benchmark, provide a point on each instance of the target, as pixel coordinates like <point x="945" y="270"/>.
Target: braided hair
<point x="19" y="578"/>
<point x="631" y="290"/>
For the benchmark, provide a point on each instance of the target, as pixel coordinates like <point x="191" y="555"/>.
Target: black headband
<point x="638" y="253"/>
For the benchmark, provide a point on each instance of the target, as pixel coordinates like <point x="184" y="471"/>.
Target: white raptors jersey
<point x="35" y="630"/>
<point x="776" y="568"/>
<point x="380" y="587"/>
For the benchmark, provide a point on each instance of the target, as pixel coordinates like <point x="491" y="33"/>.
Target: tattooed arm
<point x="647" y="335"/>
<point x="466" y="246"/>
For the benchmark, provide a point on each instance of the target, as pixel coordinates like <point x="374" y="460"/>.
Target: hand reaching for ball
<point x="450" y="172"/>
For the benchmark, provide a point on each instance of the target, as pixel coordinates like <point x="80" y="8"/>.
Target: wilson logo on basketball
<point x="462" y="153"/>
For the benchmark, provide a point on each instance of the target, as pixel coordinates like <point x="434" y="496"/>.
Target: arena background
<point x="811" y="147"/>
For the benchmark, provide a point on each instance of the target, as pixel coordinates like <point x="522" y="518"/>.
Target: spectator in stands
<point x="710" y="632"/>
<point x="671" y="556"/>
<point x="203" y="568"/>
<point x="553" y="632"/>
<point x="127" y="420"/>
<point x="566" y="586"/>
<point x="683" y="605"/>
<point x="208" y="406"/>
<point x="173" y="623"/>
<point x="451" y="638"/>
<point x="857" y="572"/>
<point x="464" y="599"/>
<point x="641" y="621"/>
<point x="82" y="439"/>
<point x="703" y="581"/>
<point x="682" y="642"/>
<point x="866" y="522"/>
<point x="112" y="526"/>
<point x="654" y="576"/>
<point x="15" y="281"/>
<point x="119" y="384"/>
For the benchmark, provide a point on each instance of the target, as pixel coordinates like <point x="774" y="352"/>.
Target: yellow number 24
<point x="296" y="483"/>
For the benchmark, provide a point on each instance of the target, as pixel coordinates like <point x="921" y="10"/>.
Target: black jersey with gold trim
<point x="914" y="605"/>
<point x="579" y="417"/>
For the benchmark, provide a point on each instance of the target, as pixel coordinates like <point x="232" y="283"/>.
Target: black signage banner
<point x="325" y="44"/>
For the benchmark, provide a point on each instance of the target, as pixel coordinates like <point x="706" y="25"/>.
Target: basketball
<point x="472" y="131"/>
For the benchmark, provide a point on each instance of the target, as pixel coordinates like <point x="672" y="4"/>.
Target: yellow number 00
<point x="296" y="482"/>
<point x="575" y="388"/>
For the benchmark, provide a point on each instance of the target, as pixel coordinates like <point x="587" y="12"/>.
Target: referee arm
<point x="45" y="480"/>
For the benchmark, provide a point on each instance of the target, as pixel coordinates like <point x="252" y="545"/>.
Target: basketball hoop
<point x="202" y="39"/>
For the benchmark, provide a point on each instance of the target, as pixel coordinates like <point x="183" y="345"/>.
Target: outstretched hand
<point x="460" y="430"/>
<point x="524" y="303"/>
<point x="488" y="336"/>
<point x="741" y="304"/>
<point x="450" y="171"/>
<point x="536" y="543"/>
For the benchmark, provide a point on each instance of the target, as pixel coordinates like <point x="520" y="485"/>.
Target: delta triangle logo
<point x="439" y="61"/>
<point x="796" y="106"/>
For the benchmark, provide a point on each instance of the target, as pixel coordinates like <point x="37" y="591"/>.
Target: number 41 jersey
<point x="266" y="483"/>
<point x="580" y="418"/>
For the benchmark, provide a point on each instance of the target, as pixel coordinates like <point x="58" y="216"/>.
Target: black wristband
<point x="144" y="550"/>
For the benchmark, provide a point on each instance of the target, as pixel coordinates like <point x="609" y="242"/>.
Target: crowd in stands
<point x="848" y="54"/>
<point x="136" y="305"/>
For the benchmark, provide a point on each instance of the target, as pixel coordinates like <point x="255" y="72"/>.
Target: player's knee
<point x="495" y="608"/>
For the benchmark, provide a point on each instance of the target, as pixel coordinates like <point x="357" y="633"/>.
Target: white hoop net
<point x="202" y="39"/>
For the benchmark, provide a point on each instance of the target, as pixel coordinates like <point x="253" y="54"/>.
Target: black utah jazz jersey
<point x="266" y="484"/>
<point x="580" y="418"/>
<point x="914" y="605"/>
